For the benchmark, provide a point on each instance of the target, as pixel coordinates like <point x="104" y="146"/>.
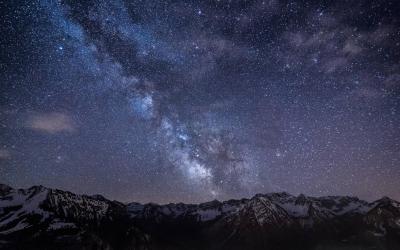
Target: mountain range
<point x="45" y="218"/>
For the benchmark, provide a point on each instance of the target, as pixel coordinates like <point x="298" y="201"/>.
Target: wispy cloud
<point x="54" y="122"/>
<point x="5" y="154"/>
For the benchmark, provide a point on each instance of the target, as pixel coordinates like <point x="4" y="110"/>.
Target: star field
<point x="167" y="101"/>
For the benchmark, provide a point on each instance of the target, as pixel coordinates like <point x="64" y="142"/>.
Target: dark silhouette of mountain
<point x="44" y="218"/>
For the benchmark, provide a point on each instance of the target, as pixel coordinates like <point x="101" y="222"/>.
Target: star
<point x="188" y="102"/>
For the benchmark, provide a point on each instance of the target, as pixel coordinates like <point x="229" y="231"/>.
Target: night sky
<point x="167" y="101"/>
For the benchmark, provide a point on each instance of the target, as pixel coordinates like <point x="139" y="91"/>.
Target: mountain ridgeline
<point x="44" y="218"/>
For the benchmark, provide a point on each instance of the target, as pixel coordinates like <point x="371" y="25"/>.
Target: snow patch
<point x="60" y="225"/>
<point x="20" y="226"/>
<point x="26" y="202"/>
<point x="209" y="214"/>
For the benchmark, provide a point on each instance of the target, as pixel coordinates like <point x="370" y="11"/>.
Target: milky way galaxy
<point x="166" y="101"/>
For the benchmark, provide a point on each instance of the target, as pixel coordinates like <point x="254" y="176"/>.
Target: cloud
<point x="4" y="154"/>
<point x="143" y="106"/>
<point x="369" y="93"/>
<point x="352" y="48"/>
<point x="335" y="63"/>
<point x="51" y="123"/>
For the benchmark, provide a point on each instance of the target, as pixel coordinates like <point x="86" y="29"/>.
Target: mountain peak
<point x="40" y="210"/>
<point x="385" y="201"/>
<point x="5" y="189"/>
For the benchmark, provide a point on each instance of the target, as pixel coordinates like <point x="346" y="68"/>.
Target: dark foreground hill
<point x="43" y="218"/>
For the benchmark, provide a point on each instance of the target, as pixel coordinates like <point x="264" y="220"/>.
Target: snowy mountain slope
<point x="36" y="217"/>
<point x="263" y="206"/>
<point x="54" y="218"/>
<point x="17" y="207"/>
